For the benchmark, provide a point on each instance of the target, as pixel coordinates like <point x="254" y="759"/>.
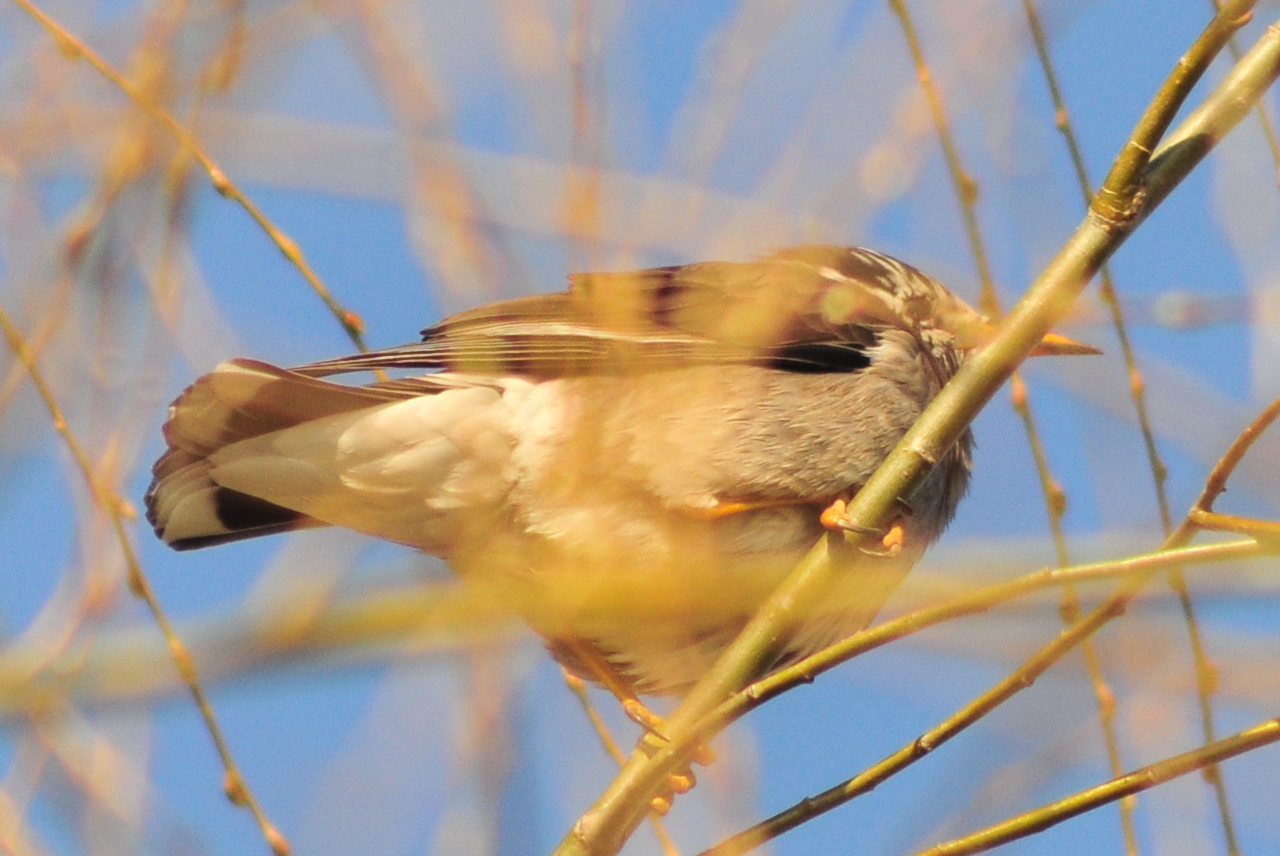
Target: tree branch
<point x="607" y="825"/>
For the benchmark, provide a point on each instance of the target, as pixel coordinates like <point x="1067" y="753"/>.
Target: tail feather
<point x="238" y="400"/>
<point x="255" y="449"/>
<point x="190" y="510"/>
<point x="241" y="399"/>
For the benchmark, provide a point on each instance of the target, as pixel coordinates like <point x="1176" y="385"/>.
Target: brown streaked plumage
<point x="641" y="458"/>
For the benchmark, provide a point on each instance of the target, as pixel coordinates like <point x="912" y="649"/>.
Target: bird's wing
<point x="809" y="309"/>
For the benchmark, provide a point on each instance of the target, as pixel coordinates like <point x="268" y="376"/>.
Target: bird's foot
<point x="638" y="713"/>
<point x="683" y="780"/>
<point x="834" y="518"/>
<point x="892" y="541"/>
<point x="680" y="782"/>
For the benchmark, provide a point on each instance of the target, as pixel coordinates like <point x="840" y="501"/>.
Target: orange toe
<point x="833" y="515"/>
<point x="895" y="538"/>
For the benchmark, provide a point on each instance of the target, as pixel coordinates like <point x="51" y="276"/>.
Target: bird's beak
<point x="1054" y="345"/>
<point x="978" y="331"/>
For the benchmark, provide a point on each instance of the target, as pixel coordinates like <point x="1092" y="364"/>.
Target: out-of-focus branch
<point x="75" y="48"/>
<point x="117" y="509"/>
<point x="128" y="665"/>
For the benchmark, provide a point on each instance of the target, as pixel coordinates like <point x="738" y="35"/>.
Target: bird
<point x="638" y="460"/>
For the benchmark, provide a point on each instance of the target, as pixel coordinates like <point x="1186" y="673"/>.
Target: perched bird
<point x="640" y="459"/>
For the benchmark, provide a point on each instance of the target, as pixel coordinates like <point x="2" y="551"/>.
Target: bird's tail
<point x="237" y="401"/>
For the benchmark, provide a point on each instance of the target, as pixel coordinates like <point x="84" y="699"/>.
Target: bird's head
<point x="972" y="329"/>
<point x="869" y="288"/>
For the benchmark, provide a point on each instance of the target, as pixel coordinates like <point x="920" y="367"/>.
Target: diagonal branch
<point x="117" y="510"/>
<point x="607" y="825"/>
<point x="1136" y="574"/>
<point x="1120" y="787"/>
<point x="1120" y="196"/>
<point x="75" y="48"/>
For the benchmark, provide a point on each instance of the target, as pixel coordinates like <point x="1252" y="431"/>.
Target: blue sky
<point x="722" y="130"/>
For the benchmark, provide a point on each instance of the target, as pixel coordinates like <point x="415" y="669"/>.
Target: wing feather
<point x="808" y="309"/>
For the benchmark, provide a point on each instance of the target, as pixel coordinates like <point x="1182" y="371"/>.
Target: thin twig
<point x="975" y="602"/>
<point x="1137" y="389"/>
<point x="582" y="191"/>
<point x="117" y="508"/>
<point x="1069" y="610"/>
<point x="74" y="48"/>
<point x="966" y="187"/>
<point x="1159" y="473"/>
<point x="1055" y="499"/>
<point x="1139" y="780"/>
<point x="579" y="689"/>
<point x="1268" y="530"/>
<point x="1120" y="197"/>
<point x="979" y="600"/>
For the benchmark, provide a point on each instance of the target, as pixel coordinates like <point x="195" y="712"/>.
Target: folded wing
<point x="809" y="309"/>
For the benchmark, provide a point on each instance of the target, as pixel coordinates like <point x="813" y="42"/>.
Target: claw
<point x="833" y="518"/>
<point x="677" y="783"/>
<point x="892" y="541"/>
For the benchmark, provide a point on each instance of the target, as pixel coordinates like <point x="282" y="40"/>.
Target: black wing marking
<point x="818" y="358"/>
